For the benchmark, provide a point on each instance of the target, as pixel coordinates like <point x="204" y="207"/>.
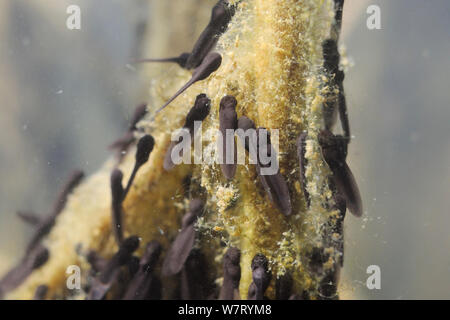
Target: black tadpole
<point x="144" y="280"/>
<point x="210" y="64"/>
<point x="126" y="249"/>
<point x="133" y="265"/>
<point x="221" y="15"/>
<point x="261" y="277"/>
<point x="180" y="60"/>
<point x="144" y="148"/>
<point x="73" y="181"/>
<point x="334" y="151"/>
<point x="46" y="224"/>
<point x="342" y="103"/>
<point x="182" y="245"/>
<point x="275" y="185"/>
<point x="277" y="190"/>
<point x="193" y="277"/>
<point x="245" y="124"/>
<point x="328" y="286"/>
<point x="110" y="273"/>
<point x="331" y="56"/>
<point x="123" y="143"/>
<point x="34" y="259"/>
<point x="228" y="121"/>
<point x="198" y="112"/>
<point x="231" y="275"/>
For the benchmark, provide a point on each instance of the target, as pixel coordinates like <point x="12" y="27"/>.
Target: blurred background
<point x="67" y="94"/>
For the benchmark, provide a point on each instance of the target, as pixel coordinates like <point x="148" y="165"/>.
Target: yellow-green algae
<point x="272" y="58"/>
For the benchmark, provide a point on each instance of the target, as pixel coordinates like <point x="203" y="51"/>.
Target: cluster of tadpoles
<point x="334" y="151"/>
<point x="125" y="276"/>
<point x="36" y="253"/>
<point x="183" y="259"/>
<point x="251" y="137"/>
<point x="202" y="59"/>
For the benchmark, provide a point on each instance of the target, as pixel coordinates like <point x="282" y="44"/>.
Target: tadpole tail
<point x="183" y="88"/>
<point x="343" y="114"/>
<point x="130" y="181"/>
<point x="165" y="60"/>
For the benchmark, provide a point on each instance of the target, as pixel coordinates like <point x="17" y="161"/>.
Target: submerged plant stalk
<point x="272" y="63"/>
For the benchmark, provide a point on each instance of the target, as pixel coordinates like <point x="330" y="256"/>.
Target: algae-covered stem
<point x="272" y="64"/>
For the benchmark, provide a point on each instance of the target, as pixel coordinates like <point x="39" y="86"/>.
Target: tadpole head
<point x="40" y="257"/>
<point x="334" y="148"/>
<point x="218" y="11"/>
<point x="329" y="47"/>
<point x="221" y="15"/>
<point x="260" y="261"/>
<point x="144" y="148"/>
<point x="231" y="262"/>
<point x="328" y="286"/>
<point x="260" y="273"/>
<point x="202" y="107"/>
<point x="199" y="111"/>
<point x="228" y="102"/>
<point x="199" y="97"/>
<point x="130" y="244"/>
